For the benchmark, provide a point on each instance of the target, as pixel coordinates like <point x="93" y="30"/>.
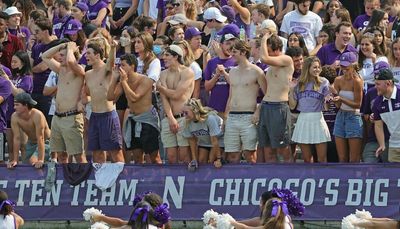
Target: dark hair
<point x="80" y="41"/>
<point x="302" y="43"/>
<point x="294" y="51"/>
<point x="38" y="13"/>
<point x="45" y="24"/>
<point x="172" y="31"/>
<point x="26" y="7"/>
<point x="26" y="63"/>
<point x="6" y="209"/>
<point x="143" y="21"/>
<point x="165" y="39"/>
<point x="242" y="46"/>
<point x="327" y="18"/>
<point x="330" y="30"/>
<point x="130" y="59"/>
<point x="329" y="73"/>
<point x="297" y="2"/>
<point x="376" y="17"/>
<point x="1" y="47"/>
<point x="275" y="43"/>
<point x="173" y="53"/>
<point x="150" y="201"/>
<point x="96" y="49"/>
<point x="4" y="16"/>
<point x="381" y="48"/>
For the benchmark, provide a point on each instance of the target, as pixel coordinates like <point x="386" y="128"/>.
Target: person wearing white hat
<point x="14" y="23"/>
<point x="269" y="26"/>
<point x="176" y="86"/>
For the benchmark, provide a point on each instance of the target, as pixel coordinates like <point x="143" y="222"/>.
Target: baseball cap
<point x="82" y="6"/>
<point x="230" y="28"/>
<point x="24" y="98"/>
<point x="214" y="13"/>
<point x="11" y="11"/>
<point x="347" y="59"/>
<point x="269" y="24"/>
<point x="385" y="74"/>
<point x="227" y="37"/>
<point x="229" y="13"/>
<point x="380" y="65"/>
<point x="73" y="26"/>
<point x="178" y="19"/>
<point x="176" y="49"/>
<point x="192" y="32"/>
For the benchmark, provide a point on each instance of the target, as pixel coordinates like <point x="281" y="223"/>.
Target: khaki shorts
<point x="240" y="133"/>
<point x="67" y="134"/>
<point x="394" y="154"/>
<point x="170" y="139"/>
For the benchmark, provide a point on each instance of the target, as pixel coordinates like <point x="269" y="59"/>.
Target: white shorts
<point x="240" y="133"/>
<point x="170" y="139"/>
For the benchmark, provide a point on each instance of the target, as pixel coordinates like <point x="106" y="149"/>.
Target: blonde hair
<point x="188" y="56"/>
<point x="305" y="76"/>
<point x="269" y="221"/>
<point x="392" y="58"/>
<point x="102" y="42"/>
<point x="200" y="113"/>
<point x="190" y="9"/>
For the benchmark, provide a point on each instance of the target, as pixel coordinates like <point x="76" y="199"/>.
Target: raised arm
<point x="72" y="61"/>
<point x="243" y="11"/>
<point x="279" y="61"/>
<point x="115" y="89"/>
<point x="111" y="57"/>
<point x="48" y="57"/>
<point x="112" y="221"/>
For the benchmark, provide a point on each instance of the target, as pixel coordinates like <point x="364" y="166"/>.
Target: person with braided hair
<point x="203" y="129"/>
<point x="149" y="212"/>
<point x="8" y="218"/>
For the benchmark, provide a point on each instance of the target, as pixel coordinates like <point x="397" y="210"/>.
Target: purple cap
<point x="230" y="28"/>
<point x="72" y="27"/>
<point x="347" y="59"/>
<point x="192" y="32"/>
<point x="82" y="6"/>
<point x="229" y="13"/>
<point x="380" y="65"/>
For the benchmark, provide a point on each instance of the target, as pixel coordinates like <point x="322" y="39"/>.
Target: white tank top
<point x="8" y="222"/>
<point x="350" y="96"/>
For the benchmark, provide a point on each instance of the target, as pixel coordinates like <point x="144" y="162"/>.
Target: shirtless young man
<point x="176" y="85"/>
<point x="104" y="127"/>
<point x="240" y="129"/>
<point x="67" y="124"/>
<point x="274" y="123"/>
<point x="142" y="127"/>
<point x="33" y="123"/>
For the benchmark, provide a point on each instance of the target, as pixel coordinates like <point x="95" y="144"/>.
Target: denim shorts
<point x="348" y="125"/>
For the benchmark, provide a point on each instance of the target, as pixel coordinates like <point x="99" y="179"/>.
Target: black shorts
<point x="122" y="103"/>
<point x="148" y="140"/>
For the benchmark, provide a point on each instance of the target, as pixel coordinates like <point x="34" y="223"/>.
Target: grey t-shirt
<point x="212" y="126"/>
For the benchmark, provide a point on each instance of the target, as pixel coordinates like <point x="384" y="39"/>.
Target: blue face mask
<point x="157" y="49"/>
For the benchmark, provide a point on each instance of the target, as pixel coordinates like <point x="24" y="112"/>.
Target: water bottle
<point x="242" y="34"/>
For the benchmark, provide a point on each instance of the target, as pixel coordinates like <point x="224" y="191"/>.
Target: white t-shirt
<point x="269" y="3"/>
<point x="367" y="71"/>
<point x="7" y="222"/>
<point x="51" y="82"/>
<point x="197" y="70"/>
<point x="307" y="25"/>
<point x="154" y="70"/>
<point x="153" y="11"/>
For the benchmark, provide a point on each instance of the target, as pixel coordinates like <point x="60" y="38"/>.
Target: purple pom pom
<point x="295" y="207"/>
<point x="161" y="214"/>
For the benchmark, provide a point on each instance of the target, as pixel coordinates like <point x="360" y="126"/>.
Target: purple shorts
<point x="104" y="132"/>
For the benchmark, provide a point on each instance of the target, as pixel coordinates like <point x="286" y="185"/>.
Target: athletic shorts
<point x="170" y="139"/>
<point x="122" y="103"/>
<point x="240" y="133"/>
<point x="148" y="140"/>
<point x="104" y="132"/>
<point x="67" y="134"/>
<point x="274" y="125"/>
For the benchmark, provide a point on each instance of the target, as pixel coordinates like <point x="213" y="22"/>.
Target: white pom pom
<point x="363" y="214"/>
<point x="88" y="213"/>
<point x="224" y="221"/>
<point x="209" y="227"/>
<point x="347" y="222"/>
<point x="209" y="217"/>
<point x="99" y="225"/>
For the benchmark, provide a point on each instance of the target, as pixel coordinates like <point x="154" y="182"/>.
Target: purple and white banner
<point x="329" y="192"/>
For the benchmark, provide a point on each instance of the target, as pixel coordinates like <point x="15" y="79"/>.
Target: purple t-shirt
<point x="161" y="6"/>
<point x="24" y="30"/>
<point x="5" y="93"/>
<point x="39" y="79"/>
<point x="6" y="70"/>
<point x="59" y="25"/>
<point x="361" y="22"/>
<point x="366" y="109"/>
<point x="310" y="100"/>
<point x="328" y="54"/>
<point x="220" y="92"/>
<point x="24" y="82"/>
<point x="95" y="9"/>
